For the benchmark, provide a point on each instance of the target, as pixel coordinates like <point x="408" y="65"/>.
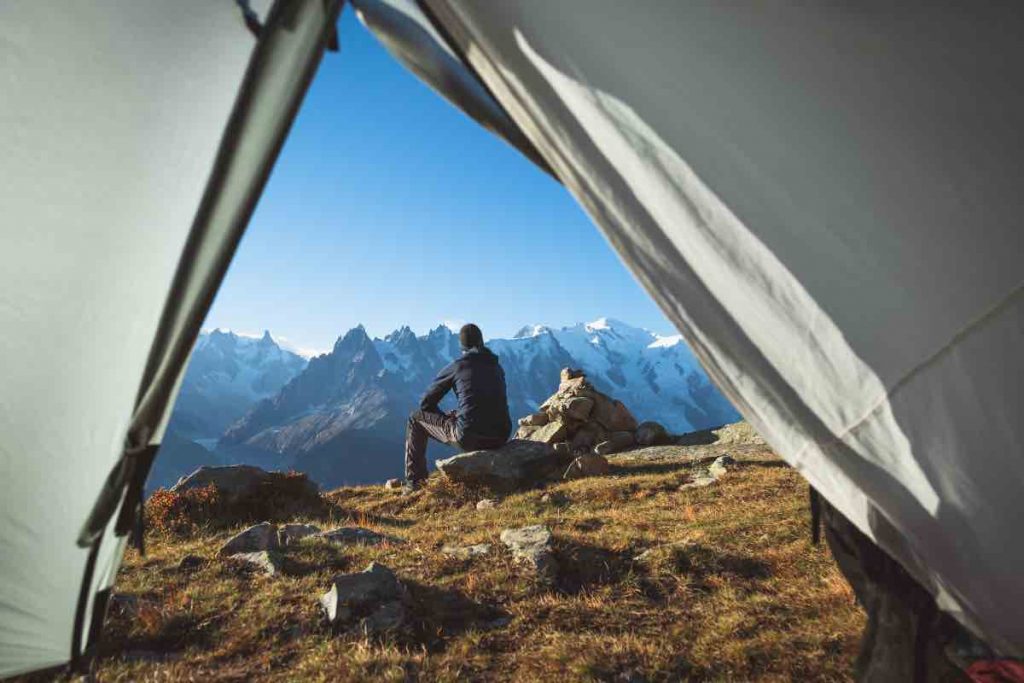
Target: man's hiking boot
<point x="411" y="486"/>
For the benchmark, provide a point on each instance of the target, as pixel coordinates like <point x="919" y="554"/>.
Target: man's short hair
<point x="470" y="337"/>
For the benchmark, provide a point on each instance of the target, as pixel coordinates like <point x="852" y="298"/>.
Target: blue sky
<point x="388" y="207"/>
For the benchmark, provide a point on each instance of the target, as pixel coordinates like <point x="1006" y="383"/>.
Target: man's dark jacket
<point x="479" y="384"/>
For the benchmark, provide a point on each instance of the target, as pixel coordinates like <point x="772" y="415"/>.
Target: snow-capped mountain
<point x="342" y="418"/>
<point x="228" y="373"/>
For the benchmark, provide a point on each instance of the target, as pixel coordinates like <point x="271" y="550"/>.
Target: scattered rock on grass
<point x="255" y="538"/>
<point x="531" y="546"/>
<point x="466" y="552"/>
<point x="350" y="535"/>
<point x="371" y="602"/>
<point x="393" y="484"/>
<point x="266" y="562"/>
<point x="718" y="467"/>
<point x="190" y="563"/>
<point x="698" y="482"/>
<point x="487" y="504"/>
<point x="554" y="498"/>
<point x="590" y="465"/>
<point x="293" y="533"/>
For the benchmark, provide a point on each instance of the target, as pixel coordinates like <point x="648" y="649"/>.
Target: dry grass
<point x="729" y="589"/>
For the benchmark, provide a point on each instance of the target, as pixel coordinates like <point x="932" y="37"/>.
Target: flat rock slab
<point x="370" y="602"/>
<point x="466" y="552"/>
<point x="255" y="538"/>
<point x="354" y="535"/>
<point x="266" y="562"/>
<point x="515" y="465"/>
<point x="531" y="546"/>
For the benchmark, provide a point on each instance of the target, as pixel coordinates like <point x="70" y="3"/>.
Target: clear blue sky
<point x="388" y="207"/>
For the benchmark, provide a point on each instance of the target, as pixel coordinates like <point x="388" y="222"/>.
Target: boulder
<point x="466" y="552"/>
<point x="652" y="434"/>
<point x="531" y="547"/>
<point x="290" y="534"/>
<point x="233" y="482"/>
<point x="738" y="433"/>
<point x="516" y="464"/>
<point x="255" y="538"/>
<point x="534" y="420"/>
<point x="370" y="602"/>
<point x="590" y="465"/>
<point x="267" y="562"/>
<point x="578" y="408"/>
<point x="617" y="441"/>
<point x="354" y="535"/>
<point x="587" y="436"/>
<point x="613" y="415"/>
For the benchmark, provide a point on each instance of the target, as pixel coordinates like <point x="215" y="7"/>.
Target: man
<point x="481" y="420"/>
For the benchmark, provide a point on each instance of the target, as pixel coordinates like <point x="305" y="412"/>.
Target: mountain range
<point x="340" y="416"/>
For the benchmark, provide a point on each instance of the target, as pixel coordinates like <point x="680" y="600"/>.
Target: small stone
<point x="487" y="504"/>
<point x="466" y="552"/>
<point x="590" y="465"/>
<point x="255" y="538"/>
<point x="652" y="434"/>
<point x="554" y="498"/>
<point x="354" y="535"/>
<point x="372" y="601"/>
<point x="290" y="534"/>
<point x="718" y="467"/>
<point x="570" y="373"/>
<point x="265" y="561"/>
<point x="392" y="484"/>
<point x="190" y="563"/>
<point x="698" y="482"/>
<point x="550" y="433"/>
<point x="531" y="546"/>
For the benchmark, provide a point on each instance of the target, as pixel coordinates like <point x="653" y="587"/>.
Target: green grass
<point x="730" y="588"/>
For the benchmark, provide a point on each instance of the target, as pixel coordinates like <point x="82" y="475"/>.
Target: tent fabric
<point x="130" y="163"/>
<point x="824" y="199"/>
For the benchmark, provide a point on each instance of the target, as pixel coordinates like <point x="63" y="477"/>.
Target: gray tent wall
<point x="826" y="201"/>
<point x="137" y="137"/>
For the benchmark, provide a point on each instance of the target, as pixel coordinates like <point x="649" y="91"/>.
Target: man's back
<point x="480" y="389"/>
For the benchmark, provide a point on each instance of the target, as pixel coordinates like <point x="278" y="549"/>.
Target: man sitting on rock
<point x="481" y="420"/>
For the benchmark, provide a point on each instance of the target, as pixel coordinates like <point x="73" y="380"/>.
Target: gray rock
<point x="291" y="534"/>
<point x="718" y="467"/>
<point x="652" y="434"/>
<point x="259" y="537"/>
<point x="233" y="482"/>
<point x="354" y="535"/>
<point x="487" y="504"/>
<point x="514" y="465"/>
<point x="618" y="441"/>
<point x="531" y="546"/>
<point x="589" y="465"/>
<point x="266" y="562"/>
<point x="738" y="433"/>
<point x="554" y="498"/>
<point x="466" y="552"/>
<point x="372" y="601"/>
<point x="698" y="482"/>
<point x="393" y="484"/>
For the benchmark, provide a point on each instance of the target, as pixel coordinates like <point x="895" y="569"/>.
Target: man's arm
<point x="441" y="386"/>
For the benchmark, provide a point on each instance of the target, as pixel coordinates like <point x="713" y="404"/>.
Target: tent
<point x="823" y="199"/>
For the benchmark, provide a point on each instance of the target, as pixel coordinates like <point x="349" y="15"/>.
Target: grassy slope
<point x="731" y="588"/>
